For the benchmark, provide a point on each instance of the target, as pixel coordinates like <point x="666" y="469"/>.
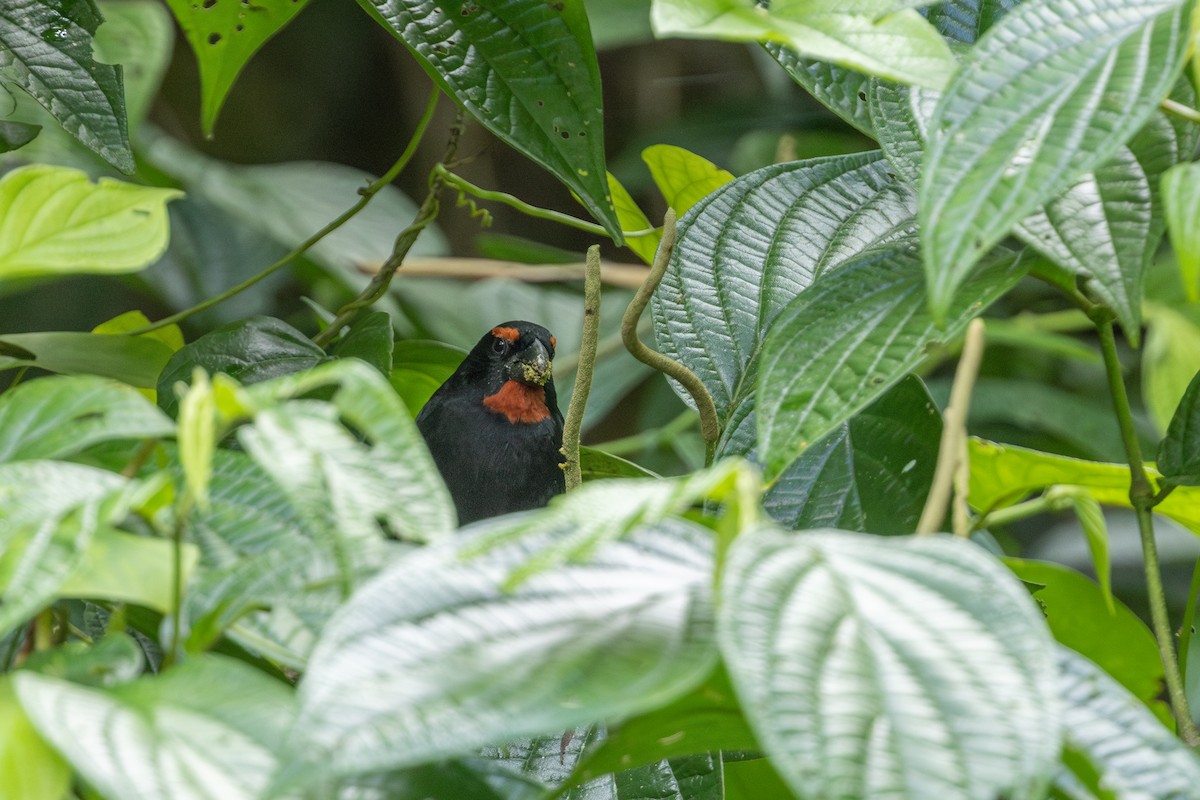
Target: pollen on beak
<point x="532" y="366"/>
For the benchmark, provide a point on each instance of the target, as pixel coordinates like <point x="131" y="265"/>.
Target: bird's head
<point x="516" y="351"/>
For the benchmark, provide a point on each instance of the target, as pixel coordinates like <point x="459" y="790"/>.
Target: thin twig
<point x="366" y="195"/>
<point x="710" y="427"/>
<point x="583" y="376"/>
<point x="426" y="214"/>
<point x="952" y="449"/>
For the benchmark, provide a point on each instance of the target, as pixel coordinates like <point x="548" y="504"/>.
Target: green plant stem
<point x="583" y="375"/>
<point x="380" y="281"/>
<point x="639" y="441"/>
<point x="952" y="448"/>
<point x="1141" y="497"/>
<point x="1045" y="504"/>
<point x="465" y="187"/>
<point x="1180" y="110"/>
<point x="1189" y="620"/>
<point x="366" y="194"/>
<point x="710" y="428"/>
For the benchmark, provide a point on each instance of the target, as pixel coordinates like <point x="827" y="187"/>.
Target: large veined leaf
<point x="60" y="416"/>
<point x="841" y="90"/>
<point x="434" y="658"/>
<point x="1113" y="742"/>
<point x="1050" y="92"/>
<point x="855" y="333"/>
<point x="208" y="729"/>
<point x="46" y="50"/>
<point x="747" y="249"/>
<point x="49" y="512"/>
<point x="224" y="34"/>
<point x="965" y="21"/>
<point x="878" y="37"/>
<point x="527" y="70"/>
<point x="905" y="668"/>
<point x="54" y="221"/>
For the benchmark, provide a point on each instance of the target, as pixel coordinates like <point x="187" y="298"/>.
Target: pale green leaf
<point x="1181" y="199"/>
<point x="125" y="568"/>
<point x="886" y="667"/>
<point x="225" y="34"/>
<point x="1170" y="360"/>
<point x="871" y="36"/>
<point x="29" y="768"/>
<point x="632" y="218"/>
<point x="138" y="35"/>
<point x="54" y="221"/>
<point x="683" y="177"/>
<point x="135" y="360"/>
<point x="1009" y="136"/>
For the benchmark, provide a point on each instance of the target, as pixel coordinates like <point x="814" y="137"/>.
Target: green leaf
<point x="419" y="367"/>
<point x="114" y="659"/>
<point x="855" y="333"/>
<point x="1003" y="474"/>
<point x="1095" y="530"/>
<point x="841" y="90"/>
<point x="369" y="339"/>
<point x="598" y="465"/>
<point x="1112" y="636"/>
<point x="209" y="727"/>
<point x="1179" y="451"/>
<point x="870" y="36"/>
<point x="1181" y="199"/>
<point x="1169" y="362"/>
<point x="134" y="360"/>
<point x="746" y="250"/>
<point x="29" y="768"/>
<point x="632" y="218"/>
<point x="56" y="417"/>
<point x="871" y="474"/>
<point x="435" y="658"/>
<point x="1046" y="95"/>
<point x="526" y="69"/>
<point x="225" y="34"/>
<point x="54" y="221"/>
<point x="964" y="21"/>
<point x="49" y="512"/>
<point x="683" y="177"/>
<point x="138" y="35"/>
<point x="15" y="135"/>
<point x="1134" y="754"/>
<point x="46" y="50"/>
<point x="249" y="351"/>
<point x="125" y="568"/>
<point x="873" y="667"/>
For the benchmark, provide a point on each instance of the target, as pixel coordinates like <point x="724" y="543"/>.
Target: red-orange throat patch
<point x="519" y="402"/>
<point x="510" y="335"/>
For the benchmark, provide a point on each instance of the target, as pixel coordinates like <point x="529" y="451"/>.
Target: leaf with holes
<point x="879" y="667"/>
<point x="1010" y="136"/>
<point x="747" y="249"/>
<point x="526" y="69"/>
<point x="54" y="221"/>
<point x="225" y="34"/>
<point x="46" y="50"/>
<point x="878" y="37"/>
<point x="855" y="333"/>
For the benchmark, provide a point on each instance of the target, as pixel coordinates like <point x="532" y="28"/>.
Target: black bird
<point x="494" y="427"/>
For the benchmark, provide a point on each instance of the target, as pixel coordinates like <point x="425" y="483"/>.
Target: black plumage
<point x="494" y="427"/>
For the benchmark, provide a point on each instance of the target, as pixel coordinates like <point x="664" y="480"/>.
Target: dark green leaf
<point x="15" y="135"/>
<point x="369" y="339"/>
<point x="46" y="49"/>
<point x="57" y="417"/>
<point x="1179" y="451"/>
<point x="855" y="333"/>
<point x="964" y="21"/>
<point x="420" y="367"/>
<point x="1133" y="754"/>
<point x="748" y="249"/>
<point x="136" y="360"/>
<point x="889" y="667"/>
<point x="526" y="69"/>
<point x="871" y="474"/>
<point x="597" y="465"/>
<point x="139" y="35"/>
<point x="224" y="34"/>
<point x="841" y="90"/>
<point x="1010" y="136"/>
<point x="249" y="351"/>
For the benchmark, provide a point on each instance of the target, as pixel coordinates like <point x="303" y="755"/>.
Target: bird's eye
<point x="499" y="346"/>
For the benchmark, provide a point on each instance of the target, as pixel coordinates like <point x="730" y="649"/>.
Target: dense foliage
<point x="229" y="569"/>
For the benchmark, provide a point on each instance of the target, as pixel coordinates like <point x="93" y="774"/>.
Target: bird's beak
<point x="531" y="365"/>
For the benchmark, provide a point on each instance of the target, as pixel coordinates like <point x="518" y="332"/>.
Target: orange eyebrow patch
<point x="553" y="344"/>
<point x="507" y="334"/>
<point x="519" y="402"/>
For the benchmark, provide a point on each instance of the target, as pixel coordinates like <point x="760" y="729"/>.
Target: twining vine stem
<point x="366" y="194"/>
<point x="1142" y="498"/>
<point x="583" y="375"/>
<point x="710" y="427"/>
<point x="426" y="214"/>
<point x="952" y="468"/>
